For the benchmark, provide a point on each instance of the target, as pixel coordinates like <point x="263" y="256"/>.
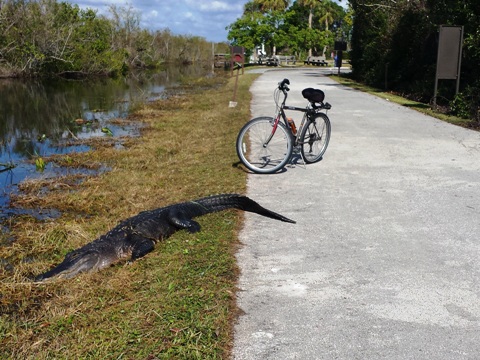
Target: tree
<point x="46" y="37"/>
<point x="296" y="28"/>
<point x="327" y="12"/>
<point x="403" y="36"/>
<point x="310" y="4"/>
<point x="251" y="7"/>
<point x="271" y="5"/>
<point x="256" y="28"/>
<point x="272" y="9"/>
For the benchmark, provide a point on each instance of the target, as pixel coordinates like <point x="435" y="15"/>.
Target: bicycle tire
<point x="314" y="138"/>
<point x="260" y="157"/>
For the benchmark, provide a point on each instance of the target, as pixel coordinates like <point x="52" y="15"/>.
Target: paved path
<point x="384" y="262"/>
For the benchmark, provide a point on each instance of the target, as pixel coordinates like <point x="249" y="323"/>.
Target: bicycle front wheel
<point x="263" y="147"/>
<point x="314" y="138"/>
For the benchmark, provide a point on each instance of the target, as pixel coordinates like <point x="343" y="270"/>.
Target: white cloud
<point x="189" y="15"/>
<point x="205" y="18"/>
<point x="216" y="6"/>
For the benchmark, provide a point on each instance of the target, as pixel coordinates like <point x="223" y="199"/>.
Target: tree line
<point x="305" y="27"/>
<point x="394" y="44"/>
<point x="47" y="37"/>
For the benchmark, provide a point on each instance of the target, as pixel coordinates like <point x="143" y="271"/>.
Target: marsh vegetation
<point x="176" y="303"/>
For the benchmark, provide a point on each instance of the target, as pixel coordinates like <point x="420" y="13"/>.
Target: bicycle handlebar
<point x="283" y="85"/>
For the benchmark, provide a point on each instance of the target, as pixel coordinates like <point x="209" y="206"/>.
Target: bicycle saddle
<point x="313" y="95"/>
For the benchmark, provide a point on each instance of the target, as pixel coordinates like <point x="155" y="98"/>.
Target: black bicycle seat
<point x="313" y="95"/>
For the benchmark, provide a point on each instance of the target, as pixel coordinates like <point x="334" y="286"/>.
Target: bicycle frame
<point x="280" y="114"/>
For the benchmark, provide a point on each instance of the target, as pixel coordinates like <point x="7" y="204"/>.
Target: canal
<point x="40" y="118"/>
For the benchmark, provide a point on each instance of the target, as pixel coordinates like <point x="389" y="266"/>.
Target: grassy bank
<point x="177" y="302"/>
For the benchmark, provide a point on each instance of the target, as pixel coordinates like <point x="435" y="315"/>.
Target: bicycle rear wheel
<point x="314" y="138"/>
<point x="257" y="152"/>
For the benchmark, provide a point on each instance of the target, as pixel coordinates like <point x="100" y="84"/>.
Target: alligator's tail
<point x="227" y="201"/>
<point x="77" y="261"/>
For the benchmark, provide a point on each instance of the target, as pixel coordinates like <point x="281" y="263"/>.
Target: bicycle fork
<point x="274" y="129"/>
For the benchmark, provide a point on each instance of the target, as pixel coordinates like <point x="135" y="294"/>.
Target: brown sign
<point x="449" y="56"/>
<point x="449" y="52"/>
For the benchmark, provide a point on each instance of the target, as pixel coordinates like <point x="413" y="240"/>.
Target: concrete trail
<point x="384" y="261"/>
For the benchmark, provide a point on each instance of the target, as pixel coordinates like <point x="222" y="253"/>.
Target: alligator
<point x="136" y="236"/>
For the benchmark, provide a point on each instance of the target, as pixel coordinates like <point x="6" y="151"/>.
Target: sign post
<point x="340" y="47"/>
<point x="449" y="56"/>
<point x="237" y="58"/>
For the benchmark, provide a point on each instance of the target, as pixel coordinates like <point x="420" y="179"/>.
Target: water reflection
<point x="38" y="118"/>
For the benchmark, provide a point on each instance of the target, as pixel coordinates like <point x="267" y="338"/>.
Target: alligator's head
<point x="76" y="262"/>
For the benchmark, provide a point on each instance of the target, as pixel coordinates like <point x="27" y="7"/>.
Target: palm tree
<point x="311" y="5"/>
<point x="251" y="7"/>
<point x="327" y="14"/>
<point x="266" y="5"/>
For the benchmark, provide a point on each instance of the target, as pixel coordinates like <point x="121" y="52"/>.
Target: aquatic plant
<point x="107" y="131"/>
<point x="40" y="164"/>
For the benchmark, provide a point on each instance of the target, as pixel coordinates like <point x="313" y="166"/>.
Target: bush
<point x="404" y="35"/>
<point x="467" y="104"/>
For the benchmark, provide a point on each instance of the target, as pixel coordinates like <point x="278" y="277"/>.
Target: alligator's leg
<point x="141" y="246"/>
<point x="182" y="221"/>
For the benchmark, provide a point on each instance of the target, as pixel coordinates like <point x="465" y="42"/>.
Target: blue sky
<point x="205" y="18"/>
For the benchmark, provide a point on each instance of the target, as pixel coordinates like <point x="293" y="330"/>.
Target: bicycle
<point x="265" y="144"/>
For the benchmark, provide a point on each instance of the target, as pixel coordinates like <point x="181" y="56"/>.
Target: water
<point x="41" y="118"/>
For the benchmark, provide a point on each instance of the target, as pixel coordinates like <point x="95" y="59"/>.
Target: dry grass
<point x="177" y="302"/>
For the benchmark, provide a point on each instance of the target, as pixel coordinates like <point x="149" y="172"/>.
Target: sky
<point x="205" y="18"/>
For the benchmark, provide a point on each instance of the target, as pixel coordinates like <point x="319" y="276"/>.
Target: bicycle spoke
<point x="315" y="138"/>
<point x="260" y="149"/>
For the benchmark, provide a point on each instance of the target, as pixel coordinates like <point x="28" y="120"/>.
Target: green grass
<point x="421" y="107"/>
<point x="178" y="302"/>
